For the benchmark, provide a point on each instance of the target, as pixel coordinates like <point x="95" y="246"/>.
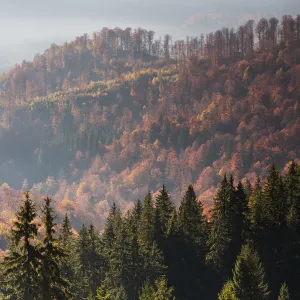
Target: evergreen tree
<point x="292" y="183"/>
<point x="256" y="207"/>
<point x="239" y="221"/>
<point x="248" y="276"/>
<point x="228" y="292"/>
<point x="163" y="212"/>
<point x="189" y="252"/>
<point x="66" y="241"/>
<point x="65" y="232"/>
<point x="81" y="255"/>
<point x="284" y="293"/>
<point x="53" y="285"/>
<point x="95" y="261"/>
<point x="160" y="291"/>
<point x="20" y="266"/>
<point x="274" y="202"/>
<point x="146" y="229"/>
<point x="219" y="237"/>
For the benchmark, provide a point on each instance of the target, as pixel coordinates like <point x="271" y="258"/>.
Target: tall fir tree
<point x="21" y="264"/>
<point x="249" y="277"/>
<point x="292" y="183"/>
<point x="159" y="291"/>
<point x="65" y="231"/>
<point x="53" y="285"/>
<point x="274" y="202"/>
<point x="220" y="234"/>
<point x="164" y="209"/>
<point x="256" y="207"/>
<point x="188" y="265"/>
<point x="284" y="293"/>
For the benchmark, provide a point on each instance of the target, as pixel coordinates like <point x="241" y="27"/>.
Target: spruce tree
<point x="21" y="264"/>
<point x="248" y="276"/>
<point x="95" y="260"/>
<point x="256" y="207"/>
<point x="81" y="255"/>
<point x="53" y="285"/>
<point x="220" y="235"/>
<point x="189" y="263"/>
<point x="164" y="209"/>
<point x="65" y="232"/>
<point x="284" y="293"/>
<point x="274" y="202"/>
<point x="159" y="291"/>
<point x="228" y="292"/>
<point x="146" y="228"/>
<point x="239" y="221"/>
<point x="292" y="183"/>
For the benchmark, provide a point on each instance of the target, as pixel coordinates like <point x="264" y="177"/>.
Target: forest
<point x="94" y="126"/>
<point x="247" y="249"/>
<point x="106" y="118"/>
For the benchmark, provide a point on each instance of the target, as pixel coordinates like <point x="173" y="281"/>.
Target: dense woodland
<point x="248" y="249"/>
<point x="106" y="118"/>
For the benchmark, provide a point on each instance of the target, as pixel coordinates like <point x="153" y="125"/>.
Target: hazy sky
<point x="30" y="26"/>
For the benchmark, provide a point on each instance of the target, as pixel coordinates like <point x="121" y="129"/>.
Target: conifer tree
<point x="53" y="285"/>
<point x="95" y="261"/>
<point x="189" y="262"/>
<point x="274" y="202"/>
<point x="292" y="183"/>
<point x="163" y="212"/>
<point x="219" y="237"/>
<point x="248" y="276"/>
<point x="284" y="293"/>
<point x="239" y="220"/>
<point x="81" y="251"/>
<point x="146" y="229"/>
<point x="256" y="206"/>
<point x="160" y="291"/>
<point x="20" y="266"/>
<point x="191" y="220"/>
<point x="227" y="292"/>
<point x="65" y="232"/>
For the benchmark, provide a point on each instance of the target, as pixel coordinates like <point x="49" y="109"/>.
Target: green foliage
<point x="228" y="292"/>
<point x="284" y="293"/>
<point x="249" y="277"/>
<point x="53" y="285"/>
<point x="20" y="276"/>
<point x="160" y="291"/>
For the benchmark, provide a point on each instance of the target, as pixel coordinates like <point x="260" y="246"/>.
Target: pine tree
<point x="284" y="293"/>
<point x="256" y="207"/>
<point x="53" y="285"/>
<point x="146" y="229"/>
<point x="95" y="261"/>
<point x="239" y="221"/>
<point x="248" y="276"/>
<point x="66" y="241"/>
<point x="274" y="202"/>
<point x="163" y="211"/>
<point x="219" y="237"/>
<point x="189" y="262"/>
<point x="292" y="183"/>
<point x="160" y="291"/>
<point x="191" y="220"/>
<point x="81" y="254"/>
<point x="20" y="266"/>
<point x="65" y="232"/>
<point x="228" y="292"/>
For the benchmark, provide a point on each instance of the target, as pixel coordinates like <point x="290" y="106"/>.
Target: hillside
<point x="107" y="118"/>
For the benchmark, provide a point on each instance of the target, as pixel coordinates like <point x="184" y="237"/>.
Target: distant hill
<point x="107" y="118"/>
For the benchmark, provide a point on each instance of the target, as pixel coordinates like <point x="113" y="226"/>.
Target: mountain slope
<point x="108" y="118"/>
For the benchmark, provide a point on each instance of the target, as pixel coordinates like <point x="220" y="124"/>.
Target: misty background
<point x="29" y="27"/>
